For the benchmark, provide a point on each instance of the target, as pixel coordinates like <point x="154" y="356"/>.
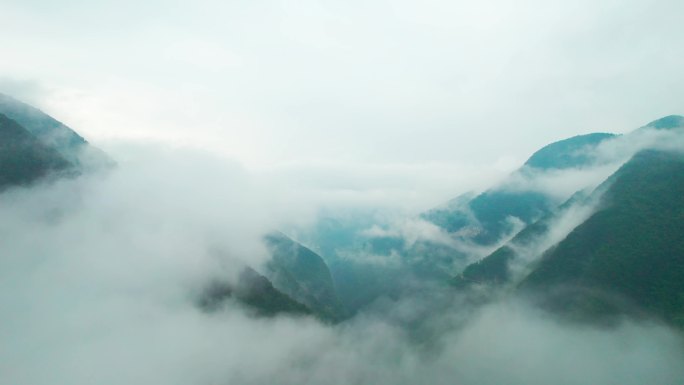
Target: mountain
<point x="303" y="275"/>
<point x="33" y="145"/>
<point x="496" y="267"/>
<point x="472" y="221"/>
<point x="529" y="243"/>
<point x="666" y="123"/>
<point x="52" y="133"/>
<point x="254" y="291"/>
<point x="23" y="158"/>
<point x="486" y="218"/>
<point x="574" y="152"/>
<point x="631" y="250"/>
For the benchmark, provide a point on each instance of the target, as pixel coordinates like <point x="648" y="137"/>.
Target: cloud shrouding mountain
<point x="383" y="108"/>
<point x="100" y="277"/>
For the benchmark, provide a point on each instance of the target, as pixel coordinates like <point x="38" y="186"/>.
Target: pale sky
<point x="430" y="87"/>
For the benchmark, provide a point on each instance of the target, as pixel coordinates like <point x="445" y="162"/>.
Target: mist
<point x="100" y="274"/>
<point x="423" y="83"/>
<point x="350" y="120"/>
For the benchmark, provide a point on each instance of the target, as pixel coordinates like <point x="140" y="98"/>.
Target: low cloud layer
<point x="340" y="107"/>
<point x="98" y="274"/>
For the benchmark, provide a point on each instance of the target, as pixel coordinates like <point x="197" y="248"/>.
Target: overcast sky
<point x="434" y="88"/>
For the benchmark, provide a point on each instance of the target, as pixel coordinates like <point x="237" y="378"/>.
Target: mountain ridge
<point x="53" y="133"/>
<point x="23" y="158"/>
<point x="633" y="246"/>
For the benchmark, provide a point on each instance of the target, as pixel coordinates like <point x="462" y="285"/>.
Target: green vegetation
<point x="667" y="123"/>
<point x="23" y="158"/>
<point x="253" y="290"/>
<point x="628" y="254"/>
<point x="303" y="275"/>
<point x="490" y="211"/>
<point x="494" y="268"/>
<point x="494" y="208"/>
<point x="489" y="214"/>
<point x="574" y="152"/>
<point x="43" y="127"/>
<point x="633" y="247"/>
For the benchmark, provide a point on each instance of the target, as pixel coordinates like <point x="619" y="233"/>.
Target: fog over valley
<point x="332" y="193"/>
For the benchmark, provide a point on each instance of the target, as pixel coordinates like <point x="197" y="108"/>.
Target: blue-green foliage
<point x="574" y="152"/>
<point x="490" y="211"/>
<point x="252" y="290"/>
<point x="667" y="123"/>
<point x="23" y="158"/>
<point x="633" y="247"/>
<point x="45" y="128"/>
<point x="303" y="275"/>
<point x="495" y="268"/>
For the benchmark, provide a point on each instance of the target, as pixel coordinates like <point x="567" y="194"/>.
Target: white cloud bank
<point x="98" y="277"/>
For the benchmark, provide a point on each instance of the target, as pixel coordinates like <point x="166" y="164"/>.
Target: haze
<point x="347" y="84"/>
<point x="343" y="125"/>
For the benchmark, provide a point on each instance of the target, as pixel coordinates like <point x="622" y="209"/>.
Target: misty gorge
<point x="336" y="193"/>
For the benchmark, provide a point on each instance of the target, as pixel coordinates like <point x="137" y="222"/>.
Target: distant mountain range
<point x="611" y="248"/>
<point x="526" y="226"/>
<point x="488" y="214"/>
<point x="624" y="255"/>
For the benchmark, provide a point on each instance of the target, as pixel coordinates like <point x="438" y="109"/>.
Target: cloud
<point x="29" y="90"/>
<point x="398" y="104"/>
<point x="158" y="209"/>
<point x="98" y="276"/>
<point x="608" y="156"/>
<point x="411" y="230"/>
<point x="361" y="257"/>
<point x="557" y="228"/>
<point x="622" y="148"/>
<point x="560" y="184"/>
<point x="429" y="82"/>
<point x="585" y="183"/>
